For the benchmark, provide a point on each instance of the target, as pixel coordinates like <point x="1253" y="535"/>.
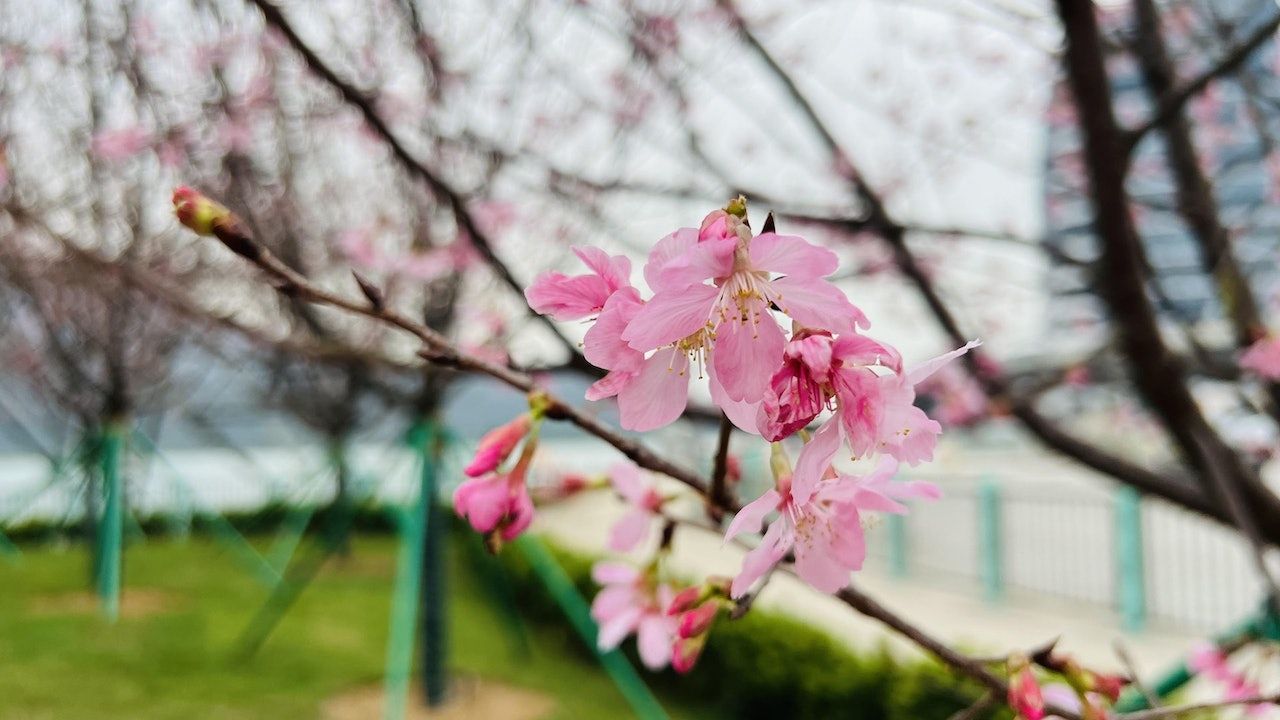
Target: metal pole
<point x="111" y="528"/>
<point x="1130" y="565"/>
<point x="991" y="540"/>
<point x="405" y="595"/>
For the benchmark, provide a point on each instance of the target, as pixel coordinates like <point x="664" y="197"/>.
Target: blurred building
<point x="1234" y="124"/>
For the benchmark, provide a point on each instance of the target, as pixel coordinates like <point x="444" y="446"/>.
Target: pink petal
<point x="614" y="573"/>
<point x="862" y="408"/>
<point x="747" y="354"/>
<point x="742" y="414"/>
<point x="751" y="516"/>
<point x="854" y="349"/>
<point x="1263" y="358"/>
<point x="658" y="394"/>
<point x="668" y="248"/>
<point x="628" y="482"/>
<point x="919" y="372"/>
<point x="670" y="316"/>
<point x="567" y="298"/>
<point x="707" y="260"/>
<point x="820" y="569"/>
<point x="615" y="270"/>
<point x="612" y="601"/>
<point x="617" y="628"/>
<point x="609" y="385"/>
<point x="630" y="530"/>
<point x="756" y="563"/>
<point x="482" y="501"/>
<point x="603" y="345"/>
<point x="791" y="255"/>
<point x="653" y="639"/>
<point x="519" y="514"/>
<point x="814" y="461"/>
<point x="818" y="304"/>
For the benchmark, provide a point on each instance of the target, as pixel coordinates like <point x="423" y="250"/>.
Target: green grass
<point x="62" y="661"/>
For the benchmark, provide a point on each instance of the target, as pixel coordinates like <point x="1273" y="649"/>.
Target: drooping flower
<point x="713" y="293"/>
<point x="498" y="504"/>
<point x="632" y="601"/>
<point x="645" y="502"/>
<point x="1263" y="357"/>
<point x="819" y="516"/>
<point x="497" y="445"/>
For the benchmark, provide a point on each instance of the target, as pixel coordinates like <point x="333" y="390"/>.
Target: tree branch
<point x="438" y="186"/>
<point x="1173" y="101"/>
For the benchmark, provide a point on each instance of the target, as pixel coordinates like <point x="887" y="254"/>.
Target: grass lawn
<point x="170" y="655"/>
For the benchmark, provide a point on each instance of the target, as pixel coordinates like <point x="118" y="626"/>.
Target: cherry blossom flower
<point x="645" y="502"/>
<point x="905" y="431"/>
<point x="632" y="601"/>
<point x="497" y="504"/>
<point x="819" y="516"/>
<point x="713" y="289"/>
<point x="817" y="369"/>
<point x="1263" y="357"/>
<point x="576" y="297"/>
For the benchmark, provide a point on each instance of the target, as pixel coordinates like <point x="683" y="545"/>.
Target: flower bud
<point x="686" y="651"/>
<point x="497" y="445"/>
<point x="197" y="211"/>
<point x="1025" y="697"/>
<point x="698" y="620"/>
<point x="684" y="600"/>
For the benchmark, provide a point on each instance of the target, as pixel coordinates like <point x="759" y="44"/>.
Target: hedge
<point x="769" y="666"/>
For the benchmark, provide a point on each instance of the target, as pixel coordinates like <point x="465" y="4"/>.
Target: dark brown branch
<point x="876" y="218"/>
<point x="438" y="186"/>
<point x="716" y="497"/>
<point x="440" y="350"/>
<point x="1157" y="374"/>
<point x="1196" y="202"/>
<point x="1173" y="101"/>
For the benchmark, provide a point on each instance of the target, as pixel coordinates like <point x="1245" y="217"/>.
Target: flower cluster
<point x="1076" y="689"/>
<point x="671" y="628"/>
<point x="497" y="504"/>
<point x="781" y="349"/>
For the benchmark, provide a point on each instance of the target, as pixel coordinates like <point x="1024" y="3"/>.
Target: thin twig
<point x="716" y="498"/>
<point x="1122" y="652"/>
<point x="1177" y="710"/>
<point x="457" y="204"/>
<point x="1229" y="63"/>
<point x="981" y="705"/>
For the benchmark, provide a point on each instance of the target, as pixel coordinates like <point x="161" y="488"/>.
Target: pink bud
<point x="698" y="621"/>
<point x="684" y="600"/>
<point x="686" y="651"/>
<point x="497" y="445"/>
<point x="1024" y="695"/>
